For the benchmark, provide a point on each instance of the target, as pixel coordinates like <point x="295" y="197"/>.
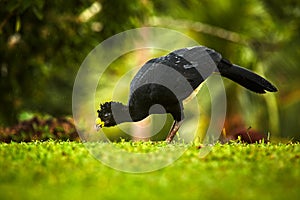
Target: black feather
<point x="245" y="77"/>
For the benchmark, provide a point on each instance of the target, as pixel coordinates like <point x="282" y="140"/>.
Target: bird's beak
<point x="99" y="124"/>
<point x="98" y="127"/>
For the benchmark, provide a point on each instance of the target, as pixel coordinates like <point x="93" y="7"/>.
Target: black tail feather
<point x="244" y="77"/>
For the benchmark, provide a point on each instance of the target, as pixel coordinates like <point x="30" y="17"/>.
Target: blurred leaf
<point x="18" y="24"/>
<point x="38" y="13"/>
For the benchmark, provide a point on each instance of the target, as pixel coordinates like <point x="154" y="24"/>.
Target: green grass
<point x="66" y="170"/>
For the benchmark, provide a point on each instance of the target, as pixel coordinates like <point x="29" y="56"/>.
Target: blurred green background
<point x="43" y="43"/>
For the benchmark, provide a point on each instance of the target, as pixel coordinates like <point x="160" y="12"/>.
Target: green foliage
<point x="260" y="35"/>
<point x="43" y="43"/>
<point x="66" y="170"/>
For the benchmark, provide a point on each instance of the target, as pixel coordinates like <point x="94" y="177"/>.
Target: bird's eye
<point x="107" y="114"/>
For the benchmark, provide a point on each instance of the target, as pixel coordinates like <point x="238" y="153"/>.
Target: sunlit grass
<point x="66" y="170"/>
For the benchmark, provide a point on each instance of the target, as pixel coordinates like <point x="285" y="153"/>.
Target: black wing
<point x="182" y="71"/>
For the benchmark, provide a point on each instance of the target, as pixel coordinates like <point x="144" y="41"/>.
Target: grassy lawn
<point x="66" y="170"/>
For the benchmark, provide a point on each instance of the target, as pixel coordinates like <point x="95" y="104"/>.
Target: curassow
<point x="171" y="79"/>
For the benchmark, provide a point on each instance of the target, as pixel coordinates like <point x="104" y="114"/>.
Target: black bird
<point x="171" y="79"/>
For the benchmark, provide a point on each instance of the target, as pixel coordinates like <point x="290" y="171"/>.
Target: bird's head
<point x="105" y="116"/>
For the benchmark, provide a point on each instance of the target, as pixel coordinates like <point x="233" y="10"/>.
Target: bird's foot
<point x="175" y="127"/>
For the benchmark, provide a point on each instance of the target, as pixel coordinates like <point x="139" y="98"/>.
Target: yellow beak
<point x="99" y="123"/>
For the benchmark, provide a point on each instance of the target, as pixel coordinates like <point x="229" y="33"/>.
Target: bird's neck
<point x="120" y="113"/>
<point x="123" y="113"/>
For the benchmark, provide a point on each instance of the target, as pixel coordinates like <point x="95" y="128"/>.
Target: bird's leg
<point x="175" y="127"/>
